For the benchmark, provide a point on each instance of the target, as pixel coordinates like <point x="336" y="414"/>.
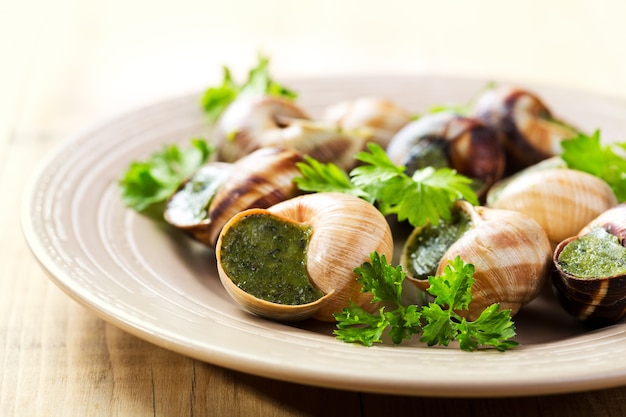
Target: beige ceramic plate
<point x="156" y="283"/>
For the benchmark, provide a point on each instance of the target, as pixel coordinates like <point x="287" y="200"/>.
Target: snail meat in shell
<point x="446" y="139"/>
<point x="510" y="252"/>
<point x="266" y="257"/>
<point x="428" y="244"/>
<point x="595" y="254"/>
<point x="333" y="233"/>
<point x="205" y="202"/>
<point x="590" y="278"/>
<point x="188" y="206"/>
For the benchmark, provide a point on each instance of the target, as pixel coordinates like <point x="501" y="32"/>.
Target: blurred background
<point x="66" y="64"/>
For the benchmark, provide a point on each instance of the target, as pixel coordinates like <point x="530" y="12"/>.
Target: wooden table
<point x="68" y="64"/>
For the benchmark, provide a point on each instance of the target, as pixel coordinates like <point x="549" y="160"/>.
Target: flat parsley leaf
<point x="586" y="153"/>
<point x="438" y="321"/>
<point x="320" y="177"/>
<point x="152" y="181"/>
<point x="427" y="195"/>
<point x="216" y="99"/>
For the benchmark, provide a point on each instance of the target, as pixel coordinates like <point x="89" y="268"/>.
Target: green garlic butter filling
<point x="265" y="256"/>
<point x="189" y="205"/>
<point x="426" y="248"/>
<point x="597" y="254"/>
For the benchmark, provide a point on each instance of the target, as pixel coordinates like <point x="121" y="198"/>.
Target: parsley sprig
<point x="586" y="153"/>
<point x="151" y="181"/>
<point x="427" y="195"/>
<point x="438" y="322"/>
<point x="216" y="99"/>
<point x="462" y="109"/>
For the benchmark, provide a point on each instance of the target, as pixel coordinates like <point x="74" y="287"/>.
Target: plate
<point x="161" y="286"/>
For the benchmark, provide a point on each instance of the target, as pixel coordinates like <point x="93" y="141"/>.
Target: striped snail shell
<point x="595" y="294"/>
<point x="510" y="252"/>
<point x="205" y="202"/>
<point x="561" y="200"/>
<point x="251" y="123"/>
<point x="343" y="231"/>
<point x="236" y="133"/>
<point x="383" y="117"/>
<point x="528" y="129"/>
<point x="446" y="139"/>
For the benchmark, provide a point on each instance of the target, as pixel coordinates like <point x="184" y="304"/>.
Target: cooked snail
<point x="382" y="116"/>
<point x="449" y="140"/>
<point x="561" y="200"/>
<point x="251" y="123"/>
<point x="590" y="278"/>
<point x="236" y="131"/>
<point x="264" y="256"/>
<point x="205" y="202"/>
<point x="529" y="130"/>
<point x="510" y="252"/>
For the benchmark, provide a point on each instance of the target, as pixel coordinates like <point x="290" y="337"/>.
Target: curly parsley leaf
<point x="384" y="282"/>
<point x="453" y="289"/>
<point x="492" y="328"/>
<point x="586" y="153"/>
<point x="151" y="181"/>
<point x="216" y="99"/>
<point x="427" y="195"/>
<point x="357" y="325"/>
<point x="452" y="292"/>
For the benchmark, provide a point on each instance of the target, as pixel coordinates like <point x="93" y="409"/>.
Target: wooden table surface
<point x="67" y="64"/>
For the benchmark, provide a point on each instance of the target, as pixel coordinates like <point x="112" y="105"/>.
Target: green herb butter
<point x="597" y="254"/>
<point x="189" y="205"/>
<point x="428" y="246"/>
<point x="266" y="256"/>
<point x="429" y="152"/>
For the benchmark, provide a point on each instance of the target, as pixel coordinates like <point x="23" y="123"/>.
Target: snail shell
<point x="528" y="129"/>
<point x="596" y="300"/>
<point x="382" y="116"/>
<point x="450" y="140"/>
<point x="510" y="252"/>
<point x="561" y="200"/>
<point x="251" y="123"/>
<point x="258" y="180"/>
<point x="345" y="231"/>
<point x="236" y="131"/>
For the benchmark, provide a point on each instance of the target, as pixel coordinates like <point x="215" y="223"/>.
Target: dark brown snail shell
<point x="450" y="140"/>
<point x="598" y="300"/>
<point x="528" y="129"/>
